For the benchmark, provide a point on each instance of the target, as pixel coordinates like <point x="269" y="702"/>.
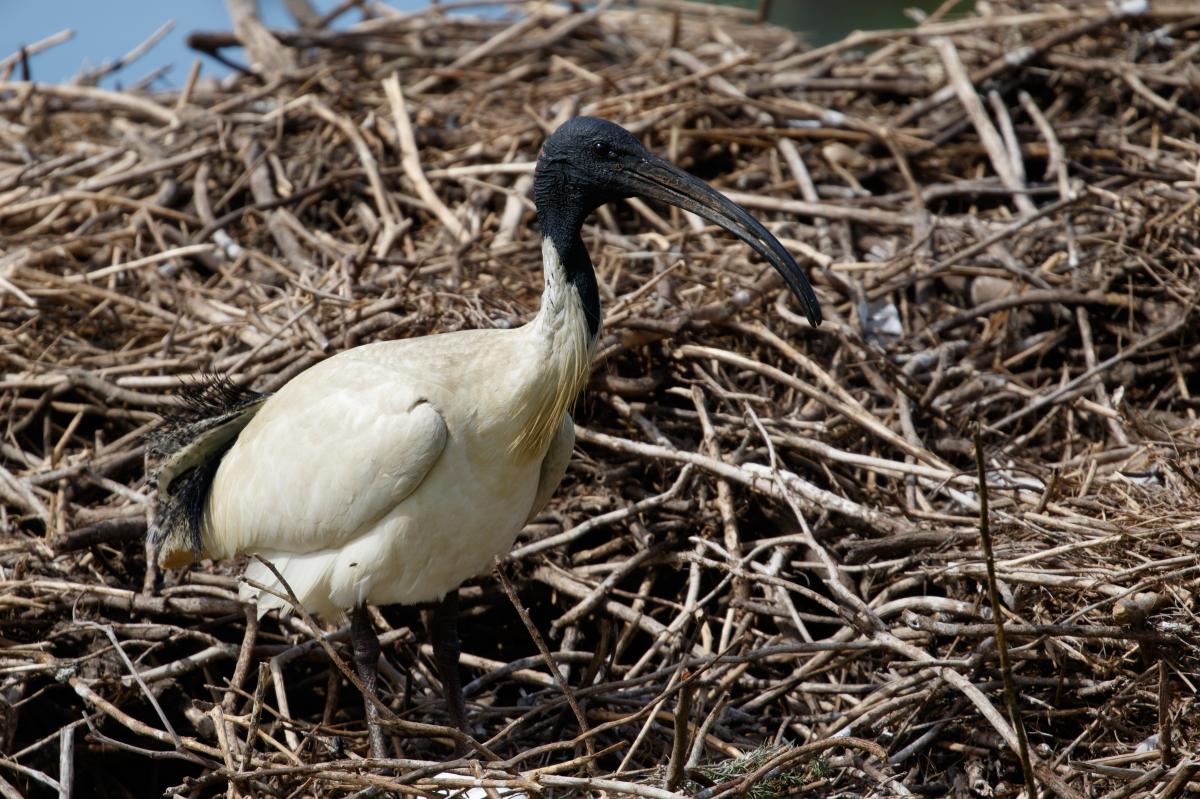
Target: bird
<point x="392" y="472"/>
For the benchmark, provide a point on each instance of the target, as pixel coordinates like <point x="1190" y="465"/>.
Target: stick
<point x="1010" y="691"/>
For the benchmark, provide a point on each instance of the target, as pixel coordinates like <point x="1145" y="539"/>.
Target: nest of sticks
<point x="764" y="573"/>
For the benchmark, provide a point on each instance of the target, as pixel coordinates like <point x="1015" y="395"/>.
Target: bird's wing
<point x="554" y="465"/>
<point x="328" y="456"/>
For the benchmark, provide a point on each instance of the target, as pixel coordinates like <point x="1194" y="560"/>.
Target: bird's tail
<point x="307" y="576"/>
<point x="182" y="457"/>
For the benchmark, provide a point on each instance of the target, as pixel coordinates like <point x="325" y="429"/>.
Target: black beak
<point x="661" y="180"/>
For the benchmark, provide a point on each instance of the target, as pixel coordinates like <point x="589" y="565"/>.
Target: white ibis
<point x="394" y="471"/>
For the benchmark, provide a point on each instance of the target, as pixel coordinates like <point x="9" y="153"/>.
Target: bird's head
<point x="591" y="158"/>
<point x="588" y="162"/>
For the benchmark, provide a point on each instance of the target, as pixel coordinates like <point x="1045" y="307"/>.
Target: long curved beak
<point x="658" y="179"/>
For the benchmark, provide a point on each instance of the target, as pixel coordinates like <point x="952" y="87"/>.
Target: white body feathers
<point x="394" y="471"/>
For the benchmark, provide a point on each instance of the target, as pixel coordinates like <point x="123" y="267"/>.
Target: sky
<point x="105" y="30"/>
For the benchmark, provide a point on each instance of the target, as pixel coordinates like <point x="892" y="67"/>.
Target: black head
<point x="588" y="158"/>
<point x="588" y="162"/>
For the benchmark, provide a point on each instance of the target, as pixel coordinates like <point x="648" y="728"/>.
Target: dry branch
<point x="768" y="534"/>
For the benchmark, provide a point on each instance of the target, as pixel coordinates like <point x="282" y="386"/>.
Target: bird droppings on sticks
<point x="258" y="227"/>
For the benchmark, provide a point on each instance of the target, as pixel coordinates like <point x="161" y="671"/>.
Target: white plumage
<point x="385" y="475"/>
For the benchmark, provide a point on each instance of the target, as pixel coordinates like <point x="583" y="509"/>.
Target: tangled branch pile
<point x="769" y="534"/>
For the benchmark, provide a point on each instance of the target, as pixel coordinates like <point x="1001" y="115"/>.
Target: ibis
<point x="394" y="471"/>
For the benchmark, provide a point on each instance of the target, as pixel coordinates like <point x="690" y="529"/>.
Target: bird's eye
<point x="602" y="150"/>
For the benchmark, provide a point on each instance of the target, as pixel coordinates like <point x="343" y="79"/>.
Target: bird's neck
<point x="561" y="209"/>
<point x="566" y="329"/>
<point x="570" y="294"/>
<point x="568" y="268"/>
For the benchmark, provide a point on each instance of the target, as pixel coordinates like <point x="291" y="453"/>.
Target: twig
<point x="541" y="645"/>
<point x="1010" y="691"/>
<point x="410" y="159"/>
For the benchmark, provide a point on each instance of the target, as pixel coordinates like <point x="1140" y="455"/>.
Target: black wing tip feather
<point x="212" y="394"/>
<point x="205" y="398"/>
<point x="207" y="404"/>
<point x="181" y="513"/>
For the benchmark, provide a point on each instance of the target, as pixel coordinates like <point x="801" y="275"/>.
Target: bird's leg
<point x="443" y="633"/>
<point x="366" y="663"/>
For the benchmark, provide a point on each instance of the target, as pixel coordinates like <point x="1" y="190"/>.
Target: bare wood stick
<point x="384" y="205"/>
<point x="493" y="43"/>
<point x="957" y="76"/>
<point x="541" y="645"/>
<point x="754" y="475"/>
<point x="184" y="743"/>
<point x="1010" y="691"/>
<point x="1174" y="109"/>
<point x="267" y="54"/>
<point x="122" y="100"/>
<point x="855" y="414"/>
<point x="612" y="517"/>
<point x="149" y="260"/>
<point x="66" y="762"/>
<point x="680" y="744"/>
<point x="410" y="159"/>
<point x="1079" y="383"/>
<point x="8" y="62"/>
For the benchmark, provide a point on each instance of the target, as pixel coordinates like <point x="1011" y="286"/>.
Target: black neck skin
<point x="561" y="212"/>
